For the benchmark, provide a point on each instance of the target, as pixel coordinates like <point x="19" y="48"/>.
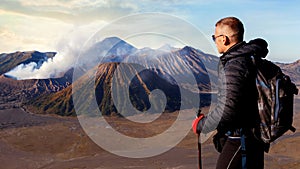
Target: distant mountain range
<point x="293" y="70"/>
<point x="162" y="67"/>
<point x="165" y="68"/>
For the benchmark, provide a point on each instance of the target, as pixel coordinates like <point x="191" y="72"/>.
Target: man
<point x="236" y="112"/>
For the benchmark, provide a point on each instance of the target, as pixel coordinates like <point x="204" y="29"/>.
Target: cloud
<point x="19" y="32"/>
<point x="40" y="24"/>
<point x="62" y="26"/>
<point x="84" y="11"/>
<point x="72" y="11"/>
<point x="69" y="4"/>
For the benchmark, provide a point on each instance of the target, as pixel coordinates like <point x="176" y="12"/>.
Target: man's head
<point x="228" y="32"/>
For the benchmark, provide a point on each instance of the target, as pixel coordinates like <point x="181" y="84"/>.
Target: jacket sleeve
<point x="231" y="97"/>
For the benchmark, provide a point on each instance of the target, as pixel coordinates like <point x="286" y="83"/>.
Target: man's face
<point x="219" y="40"/>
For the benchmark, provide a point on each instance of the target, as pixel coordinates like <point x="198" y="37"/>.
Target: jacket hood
<point x="257" y="47"/>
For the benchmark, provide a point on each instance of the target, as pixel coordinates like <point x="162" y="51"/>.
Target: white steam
<point x="68" y="48"/>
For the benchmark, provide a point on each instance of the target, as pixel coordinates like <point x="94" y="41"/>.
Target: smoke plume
<point x="67" y="48"/>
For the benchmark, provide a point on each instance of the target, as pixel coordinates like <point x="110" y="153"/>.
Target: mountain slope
<point x="293" y="70"/>
<point x="12" y="60"/>
<point x="163" y="69"/>
<point x="15" y="92"/>
<point x="165" y="72"/>
<point x="140" y="87"/>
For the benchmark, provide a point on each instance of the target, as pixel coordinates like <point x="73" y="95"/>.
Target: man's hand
<point x="196" y="122"/>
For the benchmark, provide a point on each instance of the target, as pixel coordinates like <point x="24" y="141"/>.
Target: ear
<point x="226" y="40"/>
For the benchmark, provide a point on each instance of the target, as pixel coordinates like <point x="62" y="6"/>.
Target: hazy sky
<point x="62" y="25"/>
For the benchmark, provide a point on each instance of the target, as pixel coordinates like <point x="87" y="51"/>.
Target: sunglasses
<point x="215" y="37"/>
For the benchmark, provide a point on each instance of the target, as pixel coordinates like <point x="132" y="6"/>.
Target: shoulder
<point x="240" y="66"/>
<point x="239" y="62"/>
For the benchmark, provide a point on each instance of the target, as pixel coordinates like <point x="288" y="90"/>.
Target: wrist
<point x="196" y="128"/>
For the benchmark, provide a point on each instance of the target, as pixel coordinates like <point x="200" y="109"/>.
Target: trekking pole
<point x="199" y="153"/>
<point x="199" y="145"/>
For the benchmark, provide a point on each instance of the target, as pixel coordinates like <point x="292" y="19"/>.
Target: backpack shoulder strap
<point x="243" y="149"/>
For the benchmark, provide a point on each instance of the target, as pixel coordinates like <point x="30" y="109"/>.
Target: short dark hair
<point x="235" y="25"/>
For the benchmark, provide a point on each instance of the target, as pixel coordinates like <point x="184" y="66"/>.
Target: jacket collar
<point x="257" y="48"/>
<point x="226" y="56"/>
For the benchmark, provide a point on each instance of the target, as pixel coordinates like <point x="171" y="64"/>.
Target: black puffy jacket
<point x="237" y="95"/>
